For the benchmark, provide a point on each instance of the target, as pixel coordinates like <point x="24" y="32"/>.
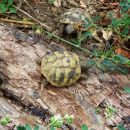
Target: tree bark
<point x="21" y="75"/>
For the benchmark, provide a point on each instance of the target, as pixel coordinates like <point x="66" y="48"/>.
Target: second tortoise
<point x="74" y="19"/>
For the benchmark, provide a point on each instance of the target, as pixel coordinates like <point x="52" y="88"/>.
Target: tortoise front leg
<point x="44" y="84"/>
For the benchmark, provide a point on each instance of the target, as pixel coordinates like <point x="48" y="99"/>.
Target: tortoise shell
<point x="74" y="16"/>
<point x="61" y="68"/>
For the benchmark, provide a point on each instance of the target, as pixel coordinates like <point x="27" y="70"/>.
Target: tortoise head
<point x="84" y="65"/>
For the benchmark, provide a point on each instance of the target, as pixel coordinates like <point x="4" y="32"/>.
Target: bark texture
<point x="21" y="75"/>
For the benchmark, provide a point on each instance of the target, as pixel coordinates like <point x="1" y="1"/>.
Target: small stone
<point x="64" y="3"/>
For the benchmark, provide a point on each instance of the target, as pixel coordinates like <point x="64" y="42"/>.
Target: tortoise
<point x="74" y="19"/>
<point x="62" y="68"/>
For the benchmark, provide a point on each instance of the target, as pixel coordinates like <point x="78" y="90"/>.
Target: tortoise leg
<point x="83" y="77"/>
<point x="38" y="61"/>
<point x="44" y="83"/>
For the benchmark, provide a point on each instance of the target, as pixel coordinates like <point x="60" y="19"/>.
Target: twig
<point x="15" y="21"/>
<point x="42" y="24"/>
<point x="70" y="43"/>
<point x="30" y="8"/>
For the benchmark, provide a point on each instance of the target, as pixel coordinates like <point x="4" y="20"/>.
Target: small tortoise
<point x="61" y="68"/>
<point x="74" y="19"/>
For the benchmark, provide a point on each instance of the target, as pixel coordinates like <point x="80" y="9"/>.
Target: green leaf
<point x="122" y="69"/>
<point x="109" y="53"/>
<point x="109" y="111"/>
<point x="0" y="5"/>
<point x="127" y="90"/>
<point x="97" y="53"/>
<point x="28" y="127"/>
<point x="125" y="31"/>
<point x="4" y="8"/>
<point x="69" y="118"/>
<point x="84" y="127"/>
<point x="120" y="59"/>
<point x="12" y="10"/>
<point x="96" y="18"/>
<point x="56" y="121"/>
<point x="36" y="127"/>
<point x="51" y="1"/>
<point x="87" y="23"/>
<point x="90" y="63"/>
<point x="108" y="64"/>
<point x="121" y="127"/>
<point x="125" y="5"/>
<point x="5" y="120"/>
<point x="21" y="128"/>
<point x="10" y="2"/>
<point x="74" y="41"/>
<point x="101" y="66"/>
<point x="52" y="128"/>
<point x="85" y="36"/>
<point x="4" y="1"/>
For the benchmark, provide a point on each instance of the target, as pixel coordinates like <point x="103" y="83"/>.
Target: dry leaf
<point x="102" y="1"/>
<point x="51" y="93"/>
<point x="42" y="103"/>
<point x="36" y="1"/>
<point x="95" y="36"/>
<point x="82" y="4"/>
<point x="57" y="3"/>
<point x="123" y="52"/>
<point x="106" y="34"/>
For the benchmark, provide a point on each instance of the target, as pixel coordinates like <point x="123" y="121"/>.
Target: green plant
<point x="36" y="127"/>
<point x="109" y="111"/>
<point x="57" y="121"/>
<point x="109" y="61"/>
<point x="5" y="120"/>
<point x="121" y="127"/>
<point x="51" y="1"/>
<point x="84" y="127"/>
<point x="84" y="33"/>
<point x="27" y="127"/>
<point x="106" y="61"/>
<point x="125" y="6"/>
<point x="121" y="24"/>
<point x="6" y="5"/>
<point x="127" y="89"/>
<point x="97" y="110"/>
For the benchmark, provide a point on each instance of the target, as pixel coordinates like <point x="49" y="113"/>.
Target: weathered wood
<point x="7" y="109"/>
<point x="21" y="72"/>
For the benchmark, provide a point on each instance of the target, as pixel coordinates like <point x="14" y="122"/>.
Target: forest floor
<point x="102" y="101"/>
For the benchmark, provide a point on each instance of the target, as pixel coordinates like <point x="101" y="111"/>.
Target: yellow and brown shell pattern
<point x="74" y="16"/>
<point x="61" y="68"/>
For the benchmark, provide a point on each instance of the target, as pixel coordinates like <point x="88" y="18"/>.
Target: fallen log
<point x="22" y="82"/>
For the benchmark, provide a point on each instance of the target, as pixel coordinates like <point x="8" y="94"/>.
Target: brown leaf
<point x="82" y="4"/>
<point x="51" y="93"/>
<point x="57" y="3"/>
<point x="123" y="52"/>
<point x="36" y="1"/>
<point x="95" y="36"/>
<point x="102" y="1"/>
<point x="106" y="34"/>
